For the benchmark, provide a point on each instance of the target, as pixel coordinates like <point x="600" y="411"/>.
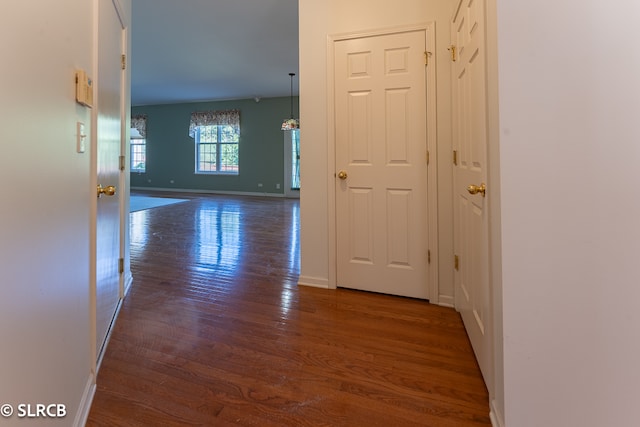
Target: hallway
<point x="215" y="331"/>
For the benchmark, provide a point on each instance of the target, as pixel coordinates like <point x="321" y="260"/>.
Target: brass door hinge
<point x="120" y="265"/>
<point x="455" y="157"/>
<point x="429" y="256"/>
<point x="124" y="61"/>
<point x="426" y="57"/>
<point x="121" y="159"/>
<point x="452" y="49"/>
<point x="427" y="157"/>
<point x="456" y="262"/>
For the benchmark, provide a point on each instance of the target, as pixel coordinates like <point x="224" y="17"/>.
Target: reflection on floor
<point x="138" y="203"/>
<point x="216" y="332"/>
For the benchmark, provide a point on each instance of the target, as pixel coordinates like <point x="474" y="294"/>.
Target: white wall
<point x="319" y="20"/>
<point x="45" y="323"/>
<point x="569" y="100"/>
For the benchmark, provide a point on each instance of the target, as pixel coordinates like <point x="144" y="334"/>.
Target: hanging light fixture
<point x="291" y="123"/>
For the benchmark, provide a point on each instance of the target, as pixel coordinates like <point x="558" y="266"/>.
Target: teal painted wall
<point x="171" y="152"/>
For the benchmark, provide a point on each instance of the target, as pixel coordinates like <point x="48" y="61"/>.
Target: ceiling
<point x="203" y="50"/>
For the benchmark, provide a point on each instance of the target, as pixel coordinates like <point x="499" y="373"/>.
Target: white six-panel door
<point x="109" y="126"/>
<point x="470" y="144"/>
<point x="381" y="164"/>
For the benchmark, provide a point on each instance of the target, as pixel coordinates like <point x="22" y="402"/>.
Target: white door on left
<point x="107" y="151"/>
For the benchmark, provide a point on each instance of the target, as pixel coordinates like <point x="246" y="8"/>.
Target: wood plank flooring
<point x="216" y="332"/>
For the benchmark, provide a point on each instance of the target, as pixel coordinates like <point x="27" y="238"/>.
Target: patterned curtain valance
<point x="211" y="118"/>
<point x="139" y="122"/>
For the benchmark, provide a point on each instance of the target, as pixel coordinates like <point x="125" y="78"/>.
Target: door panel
<point x="109" y="126"/>
<point x="470" y="142"/>
<point x="381" y="145"/>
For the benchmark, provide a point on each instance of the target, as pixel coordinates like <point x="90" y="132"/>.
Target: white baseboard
<point x="314" y="282"/>
<point x="497" y="420"/>
<point x="85" y="403"/>
<point x="446" y="301"/>
<point x="128" y="281"/>
<point x="228" y="193"/>
<point x="108" y="337"/>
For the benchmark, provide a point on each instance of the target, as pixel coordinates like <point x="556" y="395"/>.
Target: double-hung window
<point x="138" y="154"/>
<point x="217" y="137"/>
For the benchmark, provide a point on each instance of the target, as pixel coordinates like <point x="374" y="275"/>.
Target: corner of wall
<point x="497" y="419"/>
<point x="85" y="403"/>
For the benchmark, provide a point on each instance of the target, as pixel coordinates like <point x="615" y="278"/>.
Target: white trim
<point x="105" y="344"/>
<point x="128" y="281"/>
<point x="230" y="193"/>
<point x="380" y="32"/>
<point x="432" y="139"/>
<point x="314" y="282"/>
<point x="432" y="171"/>
<point x="93" y="208"/>
<point x="445" y="301"/>
<point x="85" y="402"/>
<point x="497" y="420"/>
<point x="125" y="150"/>
<point x="331" y="164"/>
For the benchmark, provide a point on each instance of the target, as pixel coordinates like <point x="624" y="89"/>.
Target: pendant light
<point x="291" y="123"/>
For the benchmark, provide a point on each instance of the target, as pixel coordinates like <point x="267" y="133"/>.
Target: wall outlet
<point x="277" y="186"/>
<point x="259" y="185"/>
<point x="171" y="182"/>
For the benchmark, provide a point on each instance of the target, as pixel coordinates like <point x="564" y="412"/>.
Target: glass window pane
<point x="229" y="158"/>
<point x="217" y="149"/>
<point x="295" y="160"/>
<point x="138" y="155"/>
<point x="207" y="158"/>
<point x="228" y="134"/>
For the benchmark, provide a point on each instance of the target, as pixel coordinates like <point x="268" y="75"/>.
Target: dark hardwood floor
<point x="216" y="332"/>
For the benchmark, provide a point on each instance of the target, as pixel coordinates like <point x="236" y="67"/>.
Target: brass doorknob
<point x="342" y="175"/>
<point x="475" y="189"/>
<point x="109" y="190"/>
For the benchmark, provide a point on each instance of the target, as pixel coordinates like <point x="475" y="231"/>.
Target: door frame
<point x="432" y="172"/>
<point x="126" y="278"/>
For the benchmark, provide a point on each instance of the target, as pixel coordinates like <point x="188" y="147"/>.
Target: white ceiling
<point x="202" y="50"/>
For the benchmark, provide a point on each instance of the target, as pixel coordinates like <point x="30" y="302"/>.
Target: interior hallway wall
<point x="569" y="100"/>
<point x="45" y="316"/>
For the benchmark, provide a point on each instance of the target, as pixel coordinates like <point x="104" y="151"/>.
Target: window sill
<point x="218" y="173"/>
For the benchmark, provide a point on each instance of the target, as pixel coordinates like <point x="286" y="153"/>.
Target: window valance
<point x="139" y="122"/>
<point x="211" y="118"/>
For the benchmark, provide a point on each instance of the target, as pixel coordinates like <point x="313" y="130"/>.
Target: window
<point x="295" y="159"/>
<point x="138" y="141"/>
<point x="138" y="152"/>
<point x="217" y="149"/>
<point x="217" y="136"/>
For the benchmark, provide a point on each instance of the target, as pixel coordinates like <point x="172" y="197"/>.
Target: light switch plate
<point x="81" y="137"/>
